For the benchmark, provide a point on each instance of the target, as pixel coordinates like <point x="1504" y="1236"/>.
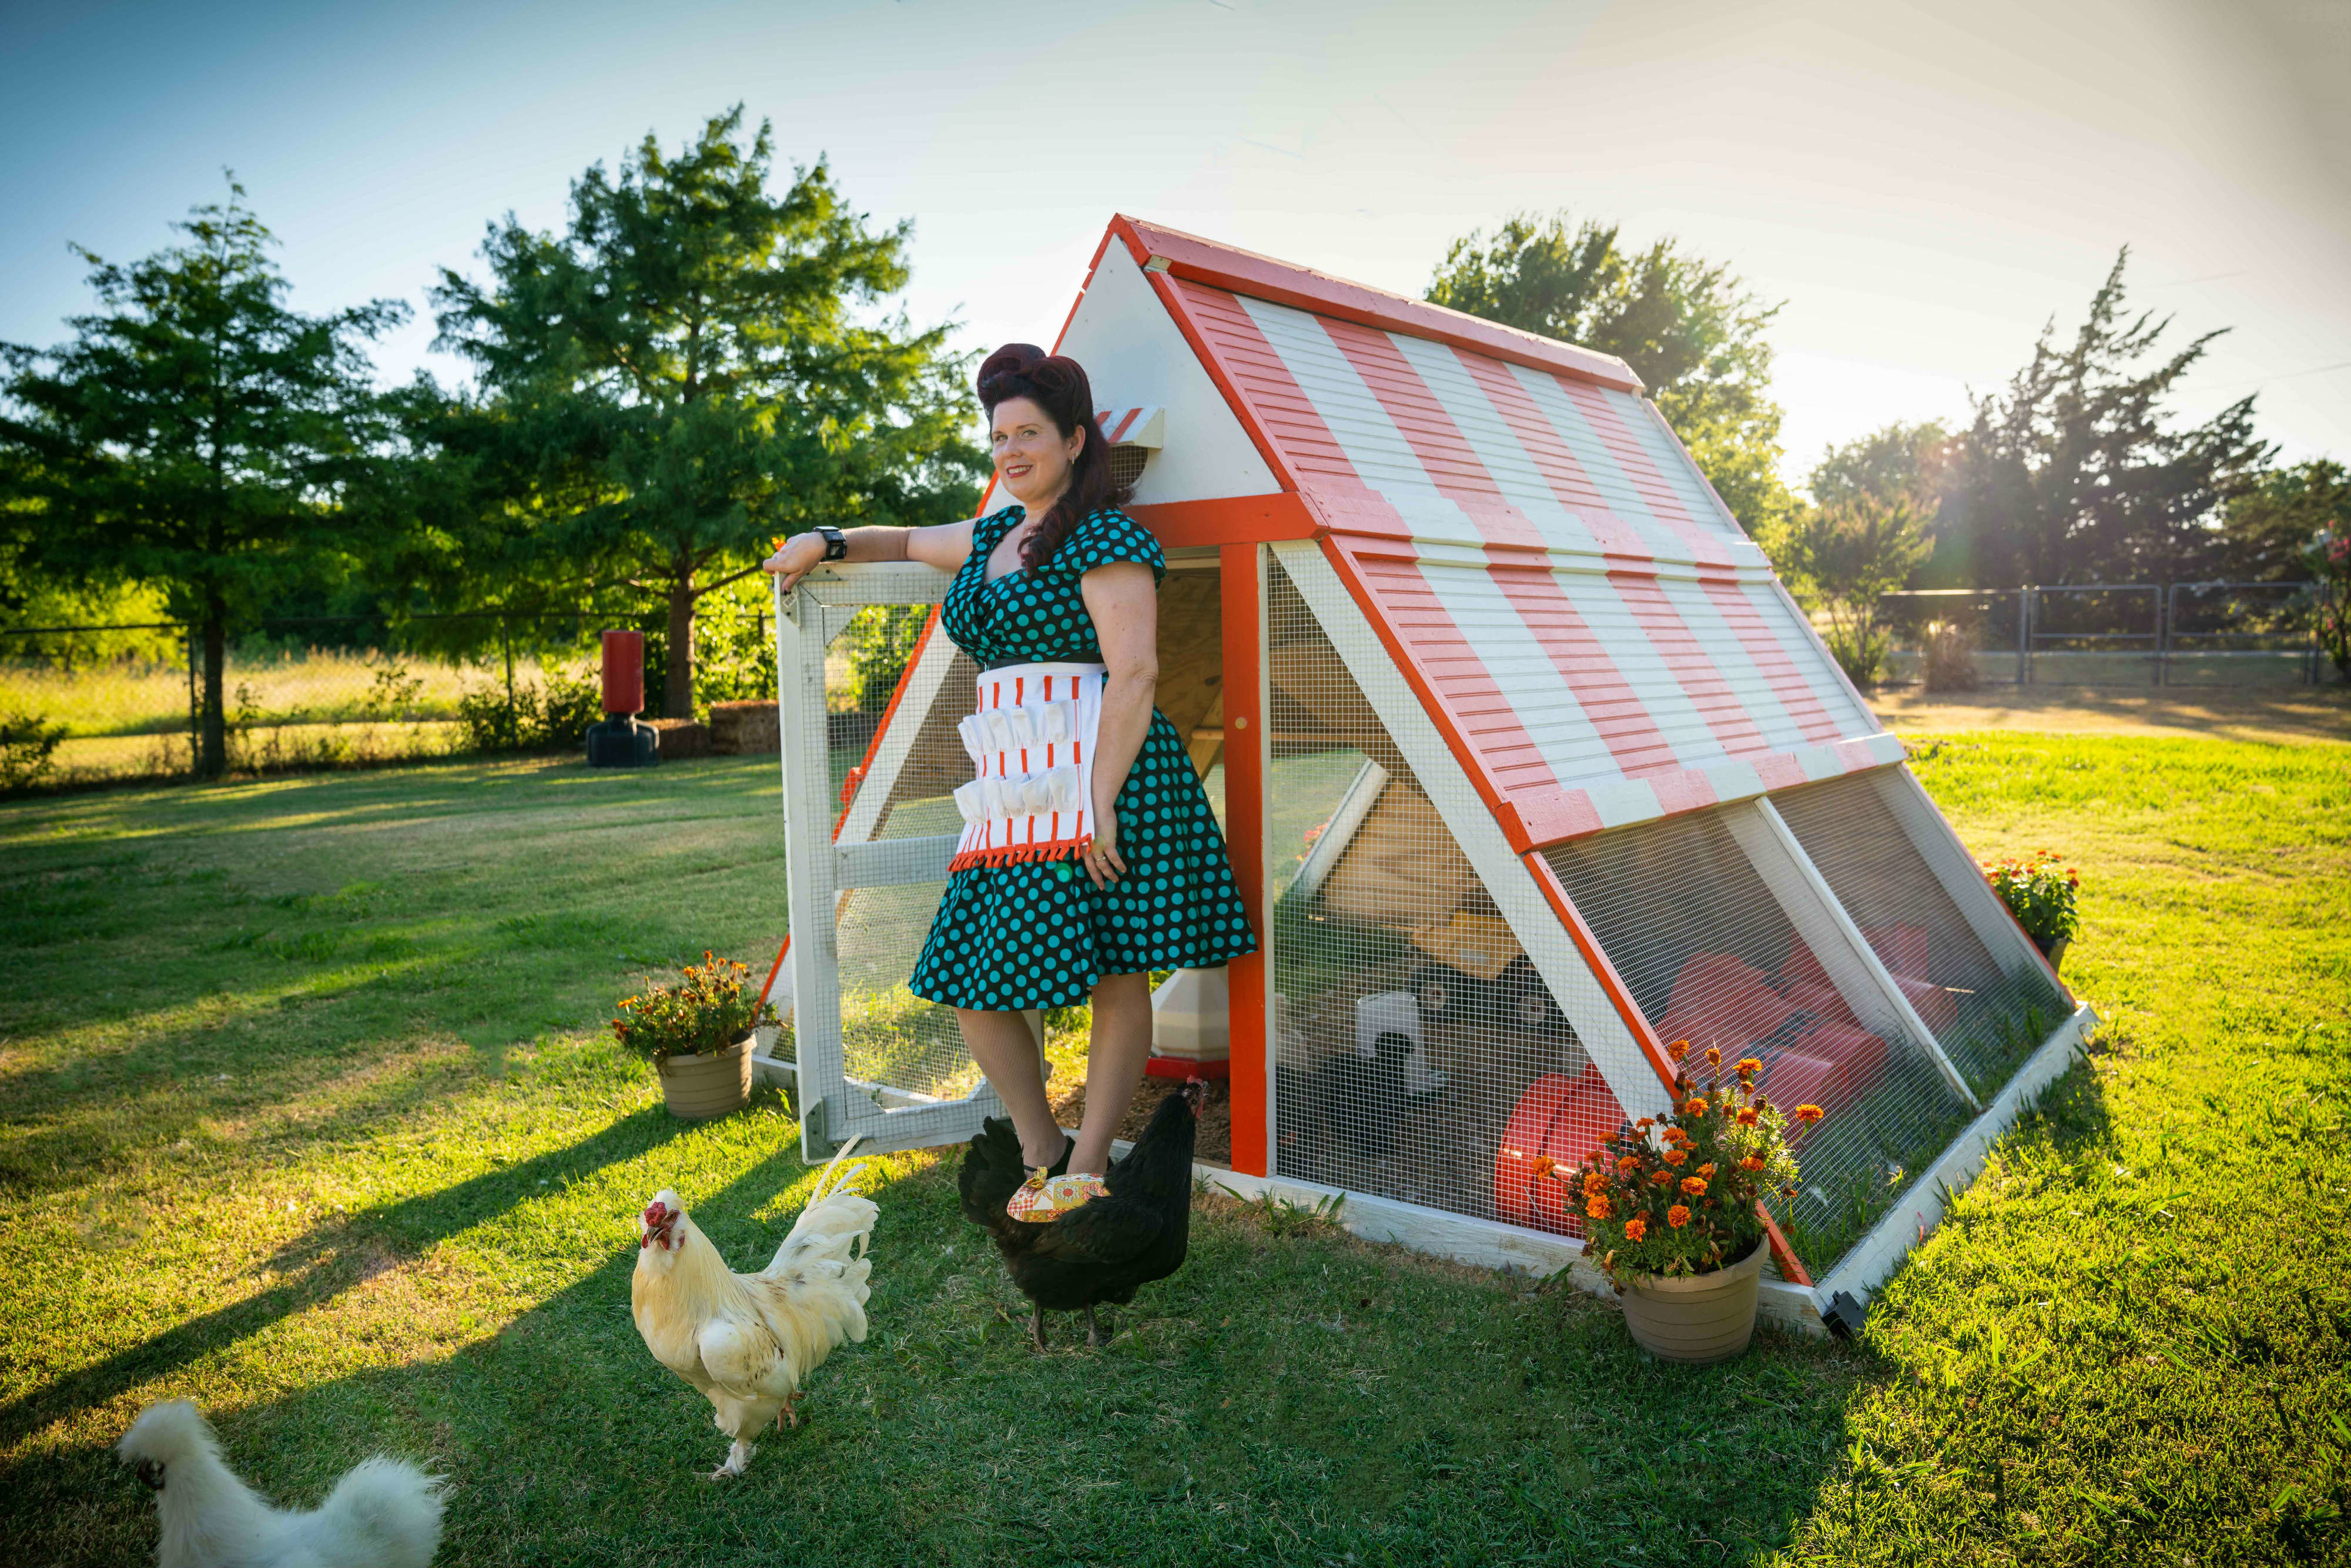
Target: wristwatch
<point x="836" y="543"/>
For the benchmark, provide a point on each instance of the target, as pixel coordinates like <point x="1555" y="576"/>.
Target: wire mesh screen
<point x="891" y="1040"/>
<point x="1710" y="957"/>
<point x="1987" y="1017"/>
<point x="1417" y="1055"/>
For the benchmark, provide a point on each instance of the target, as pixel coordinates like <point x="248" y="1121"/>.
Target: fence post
<point x="2023" y="638"/>
<point x="506" y="642"/>
<point x="2167" y="606"/>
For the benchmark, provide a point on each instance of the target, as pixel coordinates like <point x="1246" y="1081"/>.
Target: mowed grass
<point x="305" y="1114"/>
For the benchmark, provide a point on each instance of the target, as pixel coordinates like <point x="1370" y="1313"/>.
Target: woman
<point x="1089" y="856"/>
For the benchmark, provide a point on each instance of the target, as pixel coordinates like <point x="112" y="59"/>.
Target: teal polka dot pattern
<point x="1040" y="934"/>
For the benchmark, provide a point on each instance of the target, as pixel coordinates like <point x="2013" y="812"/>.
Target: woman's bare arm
<point x="944" y="546"/>
<point x="1124" y="602"/>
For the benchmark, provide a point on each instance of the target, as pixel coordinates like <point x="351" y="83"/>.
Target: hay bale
<point x="680" y="737"/>
<point x="744" y="728"/>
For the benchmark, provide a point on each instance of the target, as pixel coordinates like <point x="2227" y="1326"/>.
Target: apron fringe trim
<point x="1020" y="854"/>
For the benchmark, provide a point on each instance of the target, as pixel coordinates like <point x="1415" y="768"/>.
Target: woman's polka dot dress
<point x="1040" y="934"/>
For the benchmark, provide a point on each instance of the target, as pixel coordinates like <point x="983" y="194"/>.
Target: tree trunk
<point x="212" y="759"/>
<point x="677" y="673"/>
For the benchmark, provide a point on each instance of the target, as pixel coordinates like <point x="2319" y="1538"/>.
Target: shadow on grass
<point x="332" y="1258"/>
<point x="550" y="1429"/>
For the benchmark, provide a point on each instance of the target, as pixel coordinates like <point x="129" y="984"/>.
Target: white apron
<point x="1031" y="739"/>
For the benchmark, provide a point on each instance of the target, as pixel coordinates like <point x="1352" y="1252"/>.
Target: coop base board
<point x="1488" y="1243"/>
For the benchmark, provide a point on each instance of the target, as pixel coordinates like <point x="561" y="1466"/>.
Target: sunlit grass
<point x="305" y="1112"/>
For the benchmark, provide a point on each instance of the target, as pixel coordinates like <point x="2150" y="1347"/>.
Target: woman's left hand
<point x="1103" y="861"/>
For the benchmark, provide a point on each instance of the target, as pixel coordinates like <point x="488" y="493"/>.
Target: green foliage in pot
<point x="2040" y="892"/>
<point x="1678" y="1195"/>
<point x="710" y="1009"/>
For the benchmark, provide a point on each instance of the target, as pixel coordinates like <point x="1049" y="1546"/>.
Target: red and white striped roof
<point x="1585" y="618"/>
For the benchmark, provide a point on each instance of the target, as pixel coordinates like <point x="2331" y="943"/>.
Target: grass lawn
<point x="305" y="1114"/>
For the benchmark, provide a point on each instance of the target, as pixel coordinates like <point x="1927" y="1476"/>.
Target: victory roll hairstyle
<point x="1057" y="384"/>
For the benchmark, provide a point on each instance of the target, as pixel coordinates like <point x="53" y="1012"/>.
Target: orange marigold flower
<point x="1706" y="1169"/>
<point x="1747" y="1115"/>
<point x="1661" y="1177"/>
<point x="1629" y="1162"/>
<point x="1749" y="1066"/>
<point x="1679" y="1050"/>
<point x="1645" y="1123"/>
<point x="1751" y="1162"/>
<point x="1714" y="1056"/>
<point x="1676" y="1156"/>
<point x="1678" y="1217"/>
<point x="1599" y="1208"/>
<point x="1545" y="1165"/>
<point x="1695" y="1108"/>
<point x="1694" y="1186"/>
<point x="1635" y="1228"/>
<point x="1809" y="1113"/>
<point x="1595" y="1183"/>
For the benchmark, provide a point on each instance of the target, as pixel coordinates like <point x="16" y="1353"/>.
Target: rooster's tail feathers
<point x="391" y="1506"/>
<point x="835" y="1228"/>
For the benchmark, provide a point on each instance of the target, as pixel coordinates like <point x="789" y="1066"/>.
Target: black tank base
<point x="622" y="742"/>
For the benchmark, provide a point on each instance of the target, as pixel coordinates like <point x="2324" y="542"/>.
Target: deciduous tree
<point x="1687" y="326"/>
<point x="195" y="435"/>
<point x="694" y="365"/>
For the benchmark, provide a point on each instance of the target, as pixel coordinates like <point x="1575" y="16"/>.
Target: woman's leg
<point x="1114" y="1059"/>
<point x="1007" y="1052"/>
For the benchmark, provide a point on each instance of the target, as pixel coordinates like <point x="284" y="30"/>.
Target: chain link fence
<point x="2185" y="635"/>
<point x="86" y="704"/>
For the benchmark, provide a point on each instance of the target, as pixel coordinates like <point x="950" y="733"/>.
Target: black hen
<point x="1133" y="1234"/>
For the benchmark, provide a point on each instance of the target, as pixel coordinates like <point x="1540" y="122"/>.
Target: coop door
<point x="868" y="700"/>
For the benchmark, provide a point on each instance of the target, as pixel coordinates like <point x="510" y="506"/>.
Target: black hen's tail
<point x="992" y="1173"/>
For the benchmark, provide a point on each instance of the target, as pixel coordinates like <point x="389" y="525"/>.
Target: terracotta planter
<point x="2054" y="949"/>
<point x="697" y="1088"/>
<point x="1696" y="1318"/>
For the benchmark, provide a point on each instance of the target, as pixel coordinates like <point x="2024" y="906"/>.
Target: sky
<point x="1920" y="187"/>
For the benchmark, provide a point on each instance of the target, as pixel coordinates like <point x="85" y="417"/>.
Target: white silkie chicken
<point x="747" y="1341"/>
<point x="383" y="1513"/>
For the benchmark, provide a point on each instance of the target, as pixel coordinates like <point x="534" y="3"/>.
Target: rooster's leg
<point x="790" y="1409"/>
<point x="1037" y="1329"/>
<point x="738" y="1456"/>
<point x="1093" y="1330"/>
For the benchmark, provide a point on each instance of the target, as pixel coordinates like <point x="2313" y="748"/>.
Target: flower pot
<point x="2052" y="948"/>
<point x="697" y="1088"/>
<point x="1696" y="1318"/>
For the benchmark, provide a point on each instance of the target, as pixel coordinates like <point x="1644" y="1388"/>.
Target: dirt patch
<point x="1213" y="1142"/>
<point x="2286" y="712"/>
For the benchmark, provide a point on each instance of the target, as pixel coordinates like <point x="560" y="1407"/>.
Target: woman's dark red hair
<point x="1057" y="384"/>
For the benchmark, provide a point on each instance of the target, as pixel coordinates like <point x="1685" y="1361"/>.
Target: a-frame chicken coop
<point x="1528" y="765"/>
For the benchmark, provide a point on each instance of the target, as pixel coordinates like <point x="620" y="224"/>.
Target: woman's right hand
<point x="802" y="554"/>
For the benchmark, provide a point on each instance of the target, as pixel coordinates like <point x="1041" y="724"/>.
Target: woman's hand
<point x="1103" y="861"/>
<point x="802" y="554"/>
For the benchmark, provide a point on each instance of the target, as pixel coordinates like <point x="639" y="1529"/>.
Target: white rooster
<point x="383" y="1513"/>
<point x="747" y="1341"/>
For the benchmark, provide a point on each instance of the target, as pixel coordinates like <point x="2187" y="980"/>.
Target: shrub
<point x="2038" y="892"/>
<point x="711" y="1008"/>
<point x="2330" y="561"/>
<point x="1950" y="658"/>
<point x="29" y="745"/>
<point x="1678" y="1195"/>
<point x="551" y="716"/>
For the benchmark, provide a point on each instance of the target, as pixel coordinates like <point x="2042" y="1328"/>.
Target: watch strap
<point x="836" y="543"/>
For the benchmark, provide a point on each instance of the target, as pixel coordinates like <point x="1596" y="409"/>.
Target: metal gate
<point x="866" y="868"/>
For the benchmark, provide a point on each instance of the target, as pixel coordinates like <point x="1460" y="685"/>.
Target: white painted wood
<point x="1260" y="562"/>
<point x="1937" y="842"/>
<point x="1506" y="878"/>
<point x="1486" y="1243"/>
<point x="1135" y="354"/>
<point x="888" y="1118"/>
<point x="1873" y="1259"/>
<point x="1362" y="794"/>
<point x="893" y="862"/>
<point x="1827" y="928"/>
